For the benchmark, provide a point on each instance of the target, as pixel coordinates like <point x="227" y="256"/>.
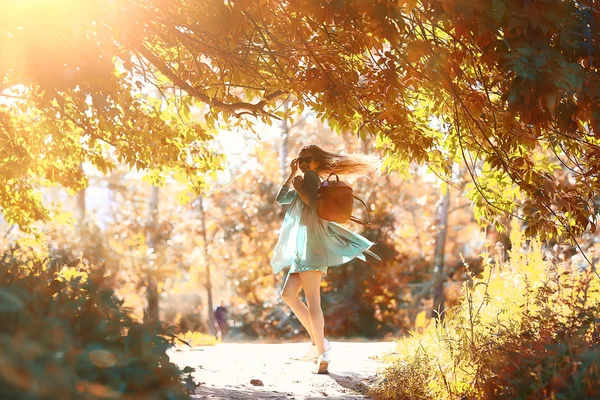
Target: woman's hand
<point x="298" y="183"/>
<point x="294" y="167"/>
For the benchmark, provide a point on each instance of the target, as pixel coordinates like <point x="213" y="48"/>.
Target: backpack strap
<point x="358" y="220"/>
<point x="336" y="177"/>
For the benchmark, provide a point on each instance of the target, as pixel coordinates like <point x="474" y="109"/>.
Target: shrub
<point x="526" y="328"/>
<point x="65" y="335"/>
<point x="195" y="339"/>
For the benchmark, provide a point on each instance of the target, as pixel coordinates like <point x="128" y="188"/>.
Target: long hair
<point x="352" y="165"/>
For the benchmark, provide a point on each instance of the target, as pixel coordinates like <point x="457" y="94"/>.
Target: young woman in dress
<point x="309" y="244"/>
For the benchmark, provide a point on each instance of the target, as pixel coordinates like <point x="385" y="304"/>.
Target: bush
<point x="65" y="335"/>
<point x="527" y="328"/>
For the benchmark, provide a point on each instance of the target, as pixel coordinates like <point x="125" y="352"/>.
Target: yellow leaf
<point x="421" y="320"/>
<point x="65" y="218"/>
<point x="444" y="188"/>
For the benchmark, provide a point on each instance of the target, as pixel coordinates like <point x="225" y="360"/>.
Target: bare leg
<point x="311" y="282"/>
<point x="290" y="296"/>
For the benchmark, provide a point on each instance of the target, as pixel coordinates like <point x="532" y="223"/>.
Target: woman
<point x="309" y="244"/>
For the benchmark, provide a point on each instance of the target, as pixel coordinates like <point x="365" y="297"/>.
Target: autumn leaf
<point x="417" y="49"/>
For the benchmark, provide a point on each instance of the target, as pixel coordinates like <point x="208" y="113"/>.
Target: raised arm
<point x="285" y="196"/>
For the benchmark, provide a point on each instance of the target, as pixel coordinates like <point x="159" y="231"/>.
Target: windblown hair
<point x="352" y="165"/>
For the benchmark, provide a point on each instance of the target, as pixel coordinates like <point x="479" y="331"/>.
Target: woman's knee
<point x="289" y="294"/>
<point x="291" y="288"/>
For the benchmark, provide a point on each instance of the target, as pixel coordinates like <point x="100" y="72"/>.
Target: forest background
<point x="110" y="220"/>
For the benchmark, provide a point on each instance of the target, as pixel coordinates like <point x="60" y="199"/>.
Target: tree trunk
<point x="211" y="315"/>
<point x="364" y="145"/>
<point x="283" y="155"/>
<point x="439" y="277"/>
<point x="151" y="312"/>
<point x="80" y="207"/>
<point x="283" y="149"/>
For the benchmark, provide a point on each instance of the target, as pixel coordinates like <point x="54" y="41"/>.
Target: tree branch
<point x="257" y="108"/>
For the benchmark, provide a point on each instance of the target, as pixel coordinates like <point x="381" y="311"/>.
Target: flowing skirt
<point x="307" y="242"/>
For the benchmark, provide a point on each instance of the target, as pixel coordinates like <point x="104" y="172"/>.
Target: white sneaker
<point x="313" y="353"/>
<point x="322" y="364"/>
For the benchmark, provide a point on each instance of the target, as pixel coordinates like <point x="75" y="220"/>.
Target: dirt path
<point x="225" y="371"/>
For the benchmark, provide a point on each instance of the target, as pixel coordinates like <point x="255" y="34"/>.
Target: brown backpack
<point x="335" y="201"/>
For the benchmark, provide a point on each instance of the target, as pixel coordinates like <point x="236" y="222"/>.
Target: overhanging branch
<point x="254" y="109"/>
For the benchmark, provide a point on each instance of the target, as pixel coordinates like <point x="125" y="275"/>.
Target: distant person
<point x="310" y="244"/>
<point x="221" y="320"/>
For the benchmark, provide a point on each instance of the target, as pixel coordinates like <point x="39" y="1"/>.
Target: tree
<point x="66" y="98"/>
<point x="439" y="270"/>
<point x="512" y="87"/>
<point x="151" y="312"/>
<point x="207" y="263"/>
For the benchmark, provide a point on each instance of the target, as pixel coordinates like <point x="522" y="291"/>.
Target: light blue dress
<point x="309" y="243"/>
